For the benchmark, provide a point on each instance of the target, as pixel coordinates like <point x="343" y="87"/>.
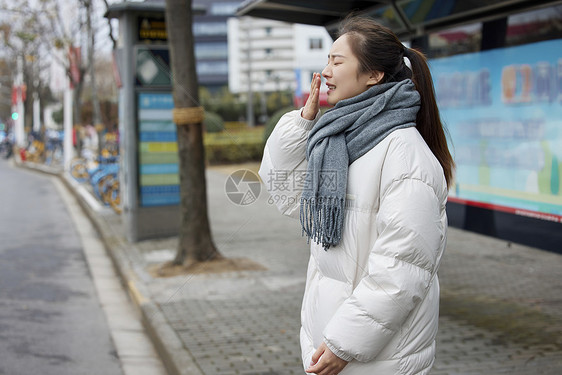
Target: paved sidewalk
<point x="501" y="303"/>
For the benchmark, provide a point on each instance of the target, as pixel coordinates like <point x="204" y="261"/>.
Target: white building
<point x="276" y="55"/>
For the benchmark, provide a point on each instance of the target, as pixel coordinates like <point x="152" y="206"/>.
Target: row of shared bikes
<point x="102" y="174"/>
<point x="98" y="170"/>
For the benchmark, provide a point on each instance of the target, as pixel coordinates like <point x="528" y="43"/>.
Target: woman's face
<point x="341" y="73"/>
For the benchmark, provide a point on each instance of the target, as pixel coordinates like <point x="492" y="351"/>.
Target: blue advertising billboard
<point x="503" y="110"/>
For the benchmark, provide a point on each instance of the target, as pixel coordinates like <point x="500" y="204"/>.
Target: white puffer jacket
<point x="374" y="298"/>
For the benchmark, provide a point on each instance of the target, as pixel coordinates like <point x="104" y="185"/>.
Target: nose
<point x="327" y="72"/>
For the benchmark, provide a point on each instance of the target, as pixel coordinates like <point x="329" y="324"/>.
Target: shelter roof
<point x="407" y="18"/>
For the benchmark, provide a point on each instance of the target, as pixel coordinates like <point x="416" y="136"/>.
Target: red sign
<point x="74" y="58"/>
<point x="19" y="93"/>
<point x="323" y="99"/>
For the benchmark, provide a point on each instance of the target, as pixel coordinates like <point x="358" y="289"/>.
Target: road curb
<point x="176" y="358"/>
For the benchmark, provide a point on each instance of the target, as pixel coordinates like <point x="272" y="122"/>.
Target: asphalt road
<point x="50" y="319"/>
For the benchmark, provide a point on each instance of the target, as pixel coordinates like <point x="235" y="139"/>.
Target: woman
<point x="369" y="180"/>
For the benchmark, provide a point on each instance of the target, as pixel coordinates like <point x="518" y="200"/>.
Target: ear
<point x="375" y="77"/>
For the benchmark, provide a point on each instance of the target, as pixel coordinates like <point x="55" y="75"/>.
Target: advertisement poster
<point x="158" y="151"/>
<point x="503" y="110"/>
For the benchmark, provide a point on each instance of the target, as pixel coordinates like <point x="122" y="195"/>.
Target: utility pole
<point x="36" y="113"/>
<point x="250" y="104"/>
<point x="67" y="143"/>
<point x="19" y="108"/>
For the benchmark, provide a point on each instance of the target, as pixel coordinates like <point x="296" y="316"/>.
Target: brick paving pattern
<point x="501" y="307"/>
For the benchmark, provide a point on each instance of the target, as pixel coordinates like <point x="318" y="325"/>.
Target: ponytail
<point x="428" y="121"/>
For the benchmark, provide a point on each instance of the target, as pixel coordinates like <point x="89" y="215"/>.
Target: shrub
<point x="278" y="100"/>
<point x="222" y="102"/>
<point x="213" y="123"/>
<point x="58" y="116"/>
<point x="234" y="146"/>
<point x="234" y="153"/>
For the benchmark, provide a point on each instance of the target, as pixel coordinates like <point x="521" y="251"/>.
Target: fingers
<point x="315" y="90"/>
<point x="315" y="83"/>
<point x="324" y="362"/>
<point x="325" y="368"/>
<point x="312" y="104"/>
<point x="315" y="86"/>
<point x="318" y="353"/>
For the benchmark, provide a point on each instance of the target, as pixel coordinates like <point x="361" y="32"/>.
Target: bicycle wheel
<point x="79" y="169"/>
<point x="114" y="196"/>
<point x="103" y="187"/>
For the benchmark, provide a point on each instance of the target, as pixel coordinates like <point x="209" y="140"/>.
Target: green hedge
<point x="229" y="147"/>
<point x="234" y="153"/>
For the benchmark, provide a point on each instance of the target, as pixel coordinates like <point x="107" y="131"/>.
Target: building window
<point x="268" y="30"/>
<point x="315" y="43"/>
<point x="211" y="50"/>
<point x="209" y="28"/>
<point x="212" y="68"/>
<point x="224" y="9"/>
<point x="268" y="52"/>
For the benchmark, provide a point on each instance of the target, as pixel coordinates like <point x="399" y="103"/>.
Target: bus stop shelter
<point x="408" y="19"/>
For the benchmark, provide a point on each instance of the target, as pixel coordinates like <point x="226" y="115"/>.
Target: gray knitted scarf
<point x="341" y="136"/>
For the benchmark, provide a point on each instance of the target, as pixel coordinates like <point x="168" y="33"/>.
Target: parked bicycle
<point x="35" y="152"/>
<point x="54" y="147"/>
<point x="6" y="148"/>
<point x="103" y="175"/>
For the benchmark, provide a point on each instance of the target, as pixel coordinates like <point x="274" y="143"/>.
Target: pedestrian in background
<point x="369" y="181"/>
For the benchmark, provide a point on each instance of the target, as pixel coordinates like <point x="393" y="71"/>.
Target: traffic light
<point x="15" y="116"/>
<point x="2" y="127"/>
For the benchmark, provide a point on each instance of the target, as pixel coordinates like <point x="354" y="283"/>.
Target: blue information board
<point x="158" y="150"/>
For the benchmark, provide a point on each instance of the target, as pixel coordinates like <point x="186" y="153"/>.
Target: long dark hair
<point x="378" y="49"/>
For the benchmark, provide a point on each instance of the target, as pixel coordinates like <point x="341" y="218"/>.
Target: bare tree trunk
<point x="96" y="117"/>
<point x="195" y="241"/>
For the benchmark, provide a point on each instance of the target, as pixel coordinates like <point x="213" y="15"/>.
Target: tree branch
<point x="113" y="41"/>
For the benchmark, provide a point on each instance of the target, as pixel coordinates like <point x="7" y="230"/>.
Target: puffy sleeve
<point x="283" y="167"/>
<point x="401" y="266"/>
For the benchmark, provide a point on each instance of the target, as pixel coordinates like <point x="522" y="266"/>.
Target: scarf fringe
<point x="322" y="220"/>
